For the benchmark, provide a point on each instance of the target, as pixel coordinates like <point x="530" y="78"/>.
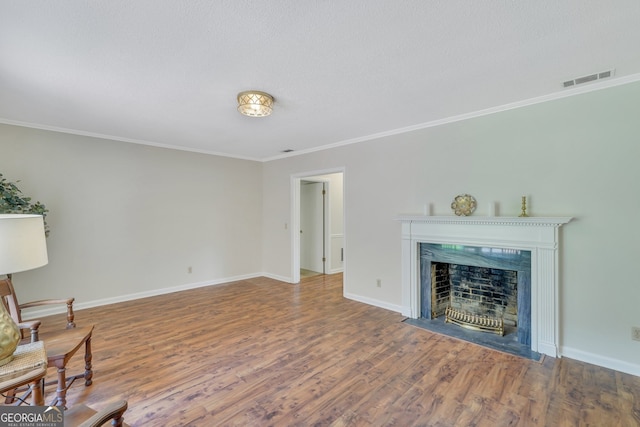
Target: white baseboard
<point x="276" y="277"/>
<point x="604" y="361"/>
<point x="37" y="313"/>
<point x="374" y="302"/>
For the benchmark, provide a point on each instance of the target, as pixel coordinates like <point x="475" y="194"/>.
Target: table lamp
<point x="22" y="247"/>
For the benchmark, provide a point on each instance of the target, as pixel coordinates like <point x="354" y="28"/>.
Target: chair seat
<point x="28" y="366"/>
<point x="27" y="360"/>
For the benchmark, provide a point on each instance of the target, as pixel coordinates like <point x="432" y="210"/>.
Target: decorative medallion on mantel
<point x="464" y="205"/>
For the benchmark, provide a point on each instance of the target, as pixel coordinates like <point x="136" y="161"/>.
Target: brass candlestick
<point x="524" y="207"/>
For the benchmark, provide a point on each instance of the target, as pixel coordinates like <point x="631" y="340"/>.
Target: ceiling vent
<point x="590" y="78"/>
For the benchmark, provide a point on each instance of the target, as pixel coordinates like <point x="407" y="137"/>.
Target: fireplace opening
<point x="479" y="288"/>
<point x="477" y="298"/>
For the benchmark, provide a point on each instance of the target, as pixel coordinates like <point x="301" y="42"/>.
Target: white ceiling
<point x="167" y="72"/>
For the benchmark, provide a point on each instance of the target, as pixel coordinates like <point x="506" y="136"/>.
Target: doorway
<point x="317" y="226"/>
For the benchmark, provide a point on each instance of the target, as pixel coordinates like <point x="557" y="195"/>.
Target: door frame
<point x="295" y="180"/>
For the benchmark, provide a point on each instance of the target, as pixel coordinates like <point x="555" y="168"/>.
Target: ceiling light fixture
<point x="254" y="103"/>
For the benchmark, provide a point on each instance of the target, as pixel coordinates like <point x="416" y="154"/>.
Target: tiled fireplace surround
<point x="534" y="236"/>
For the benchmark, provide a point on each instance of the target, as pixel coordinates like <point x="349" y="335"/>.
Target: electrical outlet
<point x="635" y="333"/>
<point x="189" y="270"/>
<point x="379" y="283"/>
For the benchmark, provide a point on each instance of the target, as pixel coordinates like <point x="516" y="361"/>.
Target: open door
<point x="312" y="226"/>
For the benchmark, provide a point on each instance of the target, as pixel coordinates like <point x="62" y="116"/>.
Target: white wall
<point x="572" y="157"/>
<point x="128" y="220"/>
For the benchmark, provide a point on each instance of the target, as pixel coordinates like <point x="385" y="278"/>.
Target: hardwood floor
<point x="265" y="353"/>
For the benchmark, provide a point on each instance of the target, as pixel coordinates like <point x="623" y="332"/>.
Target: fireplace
<point x="481" y="288"/>
<point x="527" y="246"/>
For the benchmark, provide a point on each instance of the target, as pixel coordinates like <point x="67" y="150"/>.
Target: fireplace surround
<point x="538" y="236"/>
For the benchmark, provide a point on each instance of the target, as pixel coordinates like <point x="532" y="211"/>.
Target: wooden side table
<point x="29" y="366"/>
<point x="60" y="348"/>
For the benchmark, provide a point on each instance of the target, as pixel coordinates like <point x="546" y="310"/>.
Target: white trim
<point x="487" y="220"/>
<point x="374" y="302"/>
<point x="77" y="306"/>
<point x="576" y="90"/>
<point x="596" y="359"/>
<point x="278" y="277"/>
<point x="122" y="139"/>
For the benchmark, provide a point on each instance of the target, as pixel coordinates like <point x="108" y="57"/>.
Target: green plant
<point x="12" y="201"/>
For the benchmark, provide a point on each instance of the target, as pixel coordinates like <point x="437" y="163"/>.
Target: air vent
<point x="589" y="78"/>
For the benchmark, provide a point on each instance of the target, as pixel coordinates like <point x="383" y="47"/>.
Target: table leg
<point x="61" y="390"/>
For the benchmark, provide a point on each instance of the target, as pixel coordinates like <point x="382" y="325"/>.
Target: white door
<point x="312" y="224"/>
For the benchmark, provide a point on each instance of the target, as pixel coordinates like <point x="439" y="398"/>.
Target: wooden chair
<point x="61" y="344"/>
<point x="83" y="416"/>
<point x="10" y="301"/>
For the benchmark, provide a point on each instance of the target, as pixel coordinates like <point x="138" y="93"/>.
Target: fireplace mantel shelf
<point x="487" y="220"/>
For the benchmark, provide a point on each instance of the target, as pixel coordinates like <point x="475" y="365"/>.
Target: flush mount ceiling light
<point x="254" y="103"/>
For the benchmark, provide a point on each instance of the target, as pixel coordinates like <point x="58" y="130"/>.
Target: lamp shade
<point x="22" y="243"/>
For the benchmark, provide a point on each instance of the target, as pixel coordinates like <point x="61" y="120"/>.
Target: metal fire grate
<point x="475" y="322"/>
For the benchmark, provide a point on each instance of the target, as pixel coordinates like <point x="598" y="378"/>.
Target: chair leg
<point x="38" y="397"/>
<point x="10" y="397"/>
<point x="88" y="372"/>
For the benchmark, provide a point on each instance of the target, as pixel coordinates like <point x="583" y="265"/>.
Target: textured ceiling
<point x="167" y="72"/>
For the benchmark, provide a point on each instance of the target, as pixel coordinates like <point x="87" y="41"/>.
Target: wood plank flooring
<point x="265" y="353"/>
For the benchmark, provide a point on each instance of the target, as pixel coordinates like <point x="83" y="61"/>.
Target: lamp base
<point x="9" y="336"/>
<point x="6" y="360"/>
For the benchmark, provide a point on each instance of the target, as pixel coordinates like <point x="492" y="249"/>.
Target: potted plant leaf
<point x="12" y="201"/>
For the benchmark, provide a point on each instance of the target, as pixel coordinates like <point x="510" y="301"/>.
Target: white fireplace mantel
<point x="536" y="234"/>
